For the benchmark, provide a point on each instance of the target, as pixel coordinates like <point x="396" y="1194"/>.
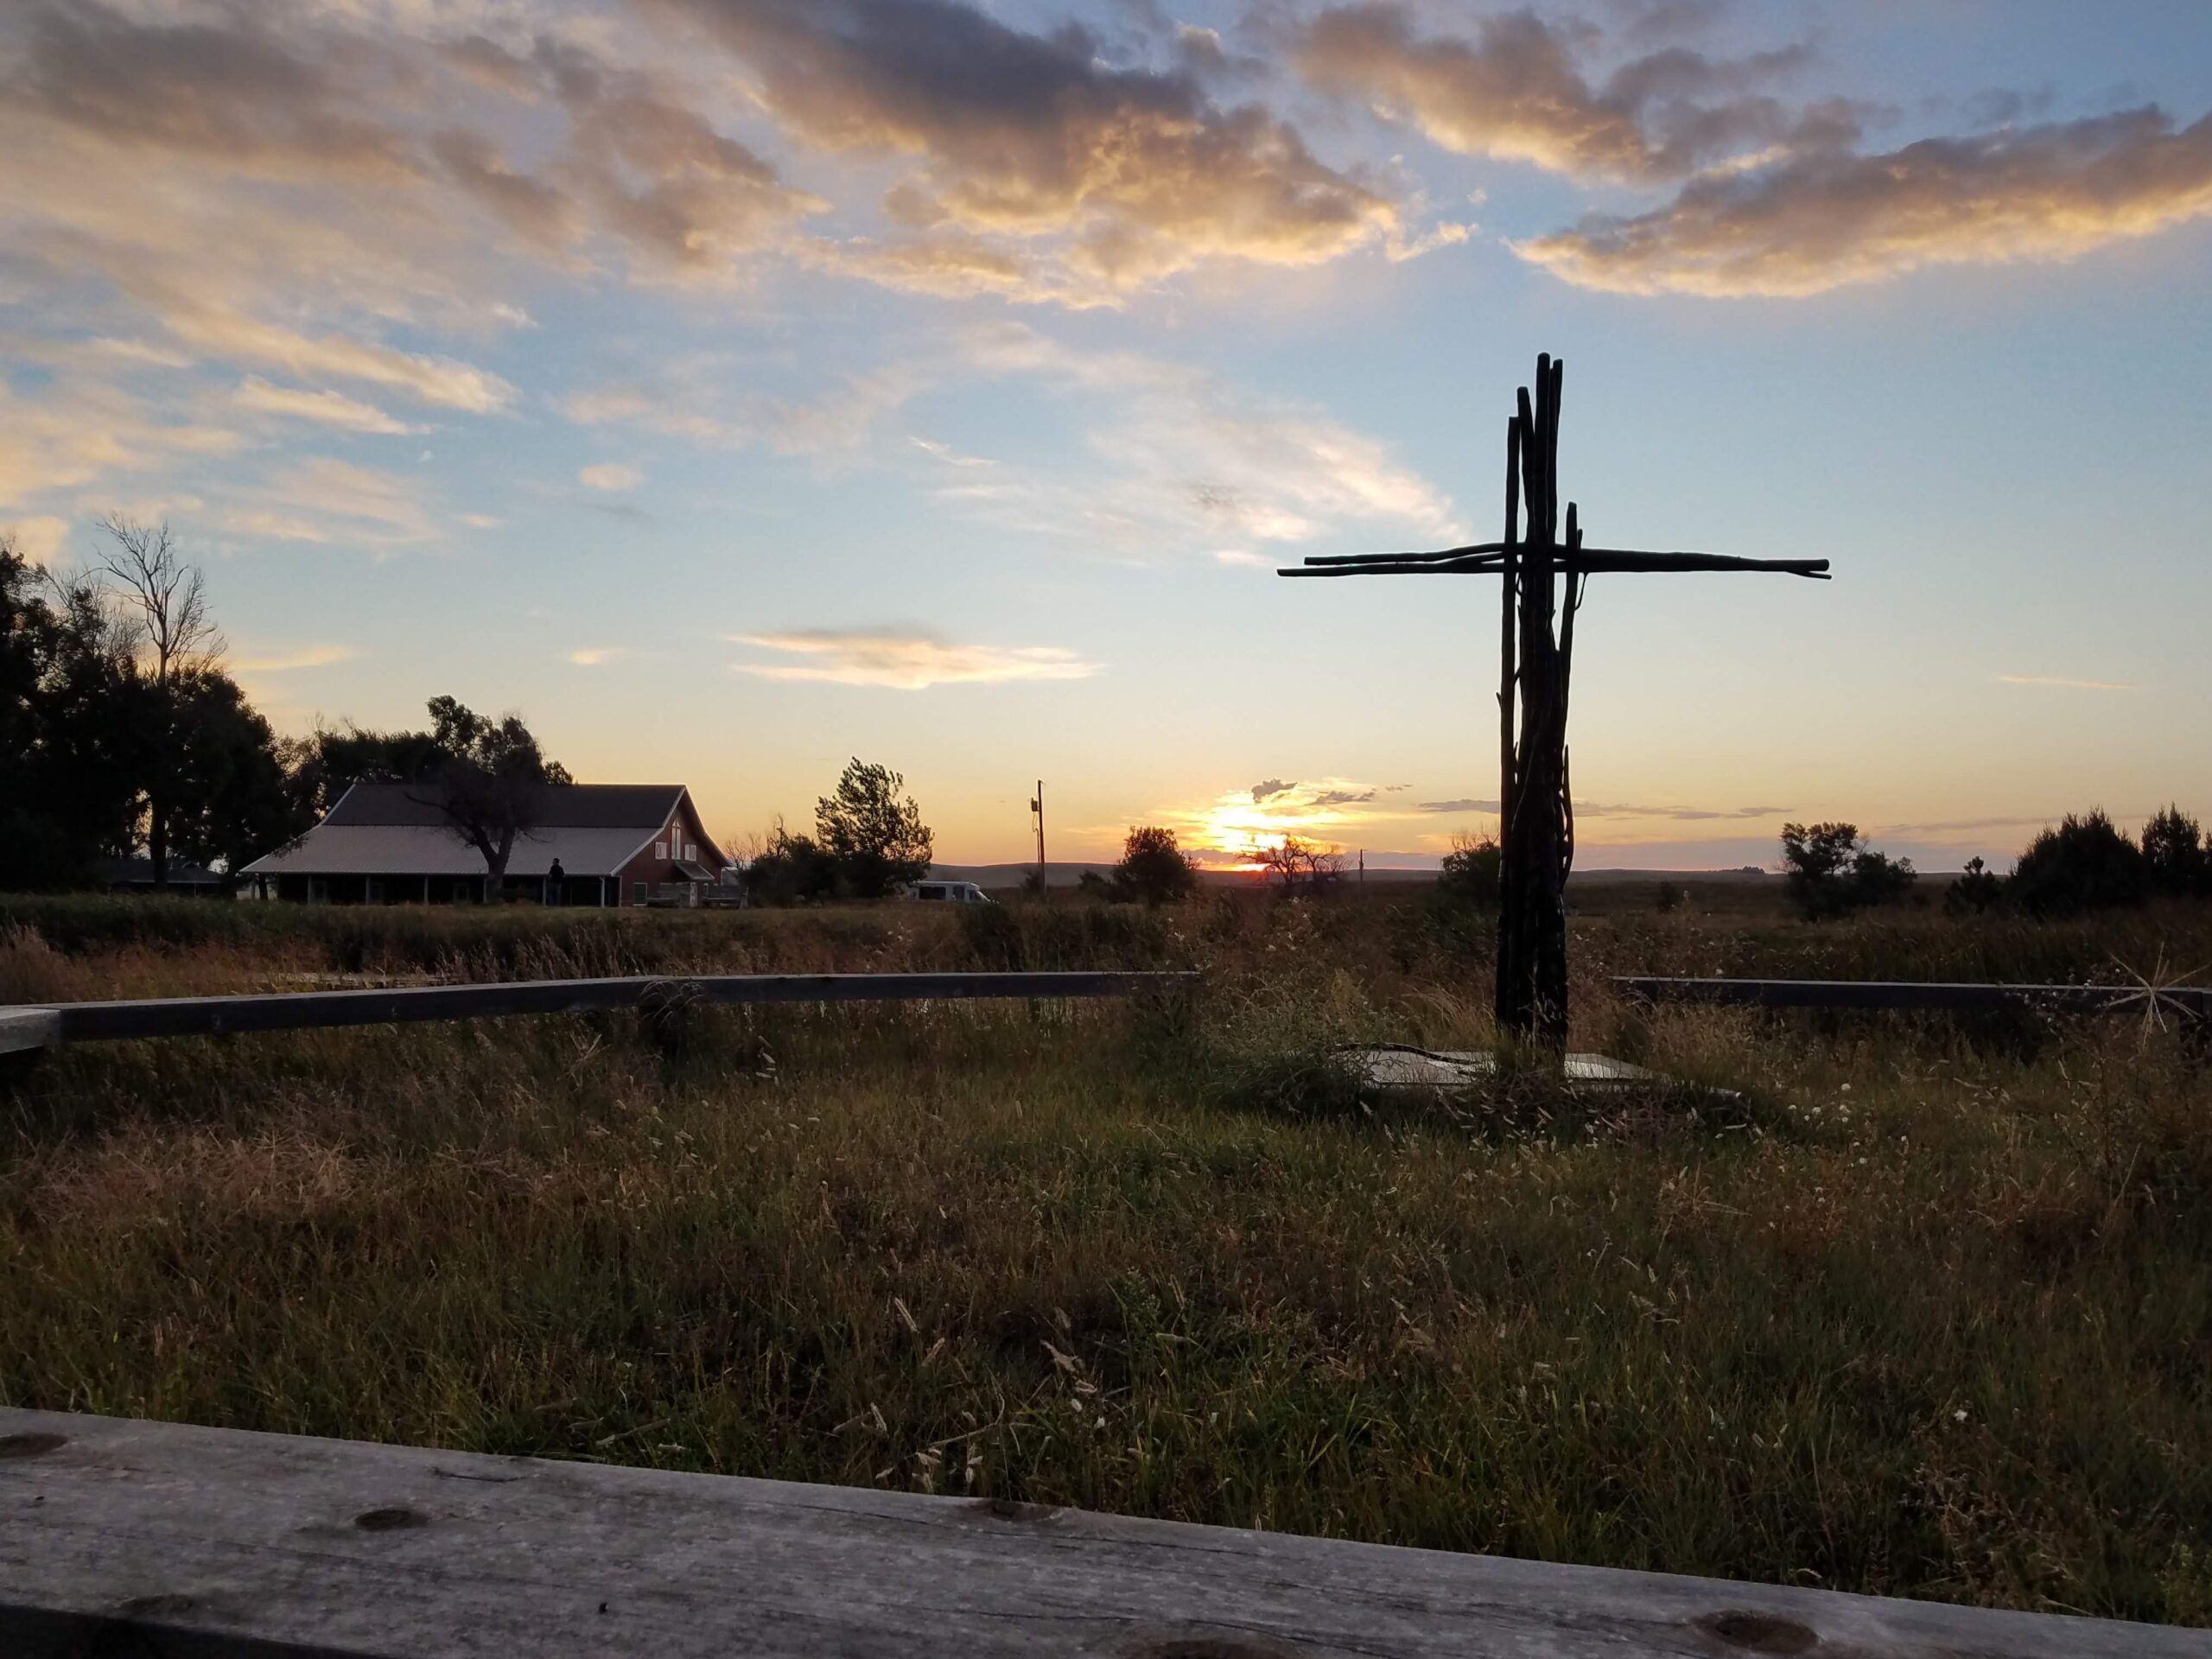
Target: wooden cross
<point x="1535" y="806"/>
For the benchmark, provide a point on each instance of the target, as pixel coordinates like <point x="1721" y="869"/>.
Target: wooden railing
<point x="130" y="1538"/>
<point x="2150" y="998"/>
<point x="56" y="1023"/>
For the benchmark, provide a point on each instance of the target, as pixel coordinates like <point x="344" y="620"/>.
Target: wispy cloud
<point x="1186" y="461"/>
<point x="612" y="477"/>
<point x="324" y="408"/>
<point x="1627" y="809"/>
<point x="326" y="501"/>
<point x="2064" y="683"/>
<point x="294" y="658"/>
<point x="594" y="656"/>
<point x="906" y="659"/>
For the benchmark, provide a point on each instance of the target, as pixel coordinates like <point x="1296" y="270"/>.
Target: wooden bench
<point x="122" y="1538"/>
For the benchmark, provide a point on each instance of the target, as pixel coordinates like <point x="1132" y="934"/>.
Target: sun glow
<point x="1231" y="830"/>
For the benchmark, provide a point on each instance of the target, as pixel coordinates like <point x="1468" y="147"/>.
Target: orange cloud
<point x="1515" y="91"/>
<point x="1039" y="170"/>
<point x="1814" y="222"/>
<point x="906" y="659"/>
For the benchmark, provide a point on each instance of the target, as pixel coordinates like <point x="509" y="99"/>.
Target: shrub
<point x="793" y="870"/>
<point x="1833" y="872"/>
<point x="2086" y="863"/>
<point x="2175" y="859"/>
<point x="1471" y="872"/>
<point x="1973" y="891"/>
<point x="1154" y="870"/>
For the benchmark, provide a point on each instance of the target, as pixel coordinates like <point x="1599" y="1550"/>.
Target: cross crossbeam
<point x="1493" y="558"/>
<point x="1544" y="574"/>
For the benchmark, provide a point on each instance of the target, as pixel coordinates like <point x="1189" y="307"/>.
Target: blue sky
<point x="735" y="385"/>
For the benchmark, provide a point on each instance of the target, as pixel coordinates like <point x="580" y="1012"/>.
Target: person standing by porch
<point x="555" y="880"/>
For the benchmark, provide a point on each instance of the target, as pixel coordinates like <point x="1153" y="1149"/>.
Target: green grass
<point x="1925" y="1311"/>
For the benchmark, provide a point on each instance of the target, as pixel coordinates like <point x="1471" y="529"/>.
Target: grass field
<point x="1926" y="1309"/>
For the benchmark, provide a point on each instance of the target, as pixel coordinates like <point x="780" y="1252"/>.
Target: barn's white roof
<point x="392" y="829"/>
<point x="419" y="849"/>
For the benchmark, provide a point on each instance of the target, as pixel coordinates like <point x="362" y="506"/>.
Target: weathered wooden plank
<point x="164" y="1539"/>
<point x="2195" y="1000"/>
<point x="189" y="1016"/>
<point x="26" y="1029"/>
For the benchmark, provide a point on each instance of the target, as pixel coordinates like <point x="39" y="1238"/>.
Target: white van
<point x="948" y="892"/>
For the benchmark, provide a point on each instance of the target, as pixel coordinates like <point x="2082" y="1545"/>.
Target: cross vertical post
<point x="1536" y="802"/>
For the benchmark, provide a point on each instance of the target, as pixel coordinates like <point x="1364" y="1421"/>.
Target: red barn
<point x="384" y="844"/>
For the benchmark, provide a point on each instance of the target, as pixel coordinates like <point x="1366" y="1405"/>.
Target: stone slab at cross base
<point x="133" y="1538"/>
<point x="1408" y="1072"/>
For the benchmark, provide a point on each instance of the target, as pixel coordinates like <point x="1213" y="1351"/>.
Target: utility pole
<point x="1037" y="807"/>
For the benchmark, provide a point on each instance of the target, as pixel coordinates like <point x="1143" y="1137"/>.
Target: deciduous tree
<point x="161" y="601"/>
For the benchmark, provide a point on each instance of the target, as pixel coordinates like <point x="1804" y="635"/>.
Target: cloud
<point x="39" y="540"/>
<point x="1181" y="461"/>
<point x="1515" y="91"/>
<point x="329" y="502"/>
<point x="297" y="658"/>
<point x="640" y="163"/>
<point x="1814" y="221"/>
<point x="1236" y="821"/>
<point x="80" y="431"/>
<point x="2070" y="685"/>
<point x="947" y="454"/>
<point x="907" y="659"/>
<point x="325" y="408"/>
<point x="1624" y="810"/>
<point x="1037" y="168"/>
<point x="430" y="379"/>
<point x="594" y="656"/>
<point x="686" y="398"/>
<point x="610" y="476"/>
<point x="1239" y="557"/>
<point x="1956" y="825"/>
<point x="1189" y="461"/>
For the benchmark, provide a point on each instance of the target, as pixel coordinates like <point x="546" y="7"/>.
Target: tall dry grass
<point x="1918" y="1309"/>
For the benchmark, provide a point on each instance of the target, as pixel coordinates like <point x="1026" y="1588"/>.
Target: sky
<point x="735" y="386"/>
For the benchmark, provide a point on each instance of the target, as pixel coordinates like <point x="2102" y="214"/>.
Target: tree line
<point x="123" y="732"/>
<point x="2085" y="863"/>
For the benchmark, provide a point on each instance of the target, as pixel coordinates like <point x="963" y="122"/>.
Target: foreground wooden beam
<point x="146" y="1538"/>
<point x="200" y="1016"/>
<point x="2141" y="1000"/>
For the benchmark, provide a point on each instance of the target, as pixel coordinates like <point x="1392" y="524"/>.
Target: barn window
<point x="660" y="849"/>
